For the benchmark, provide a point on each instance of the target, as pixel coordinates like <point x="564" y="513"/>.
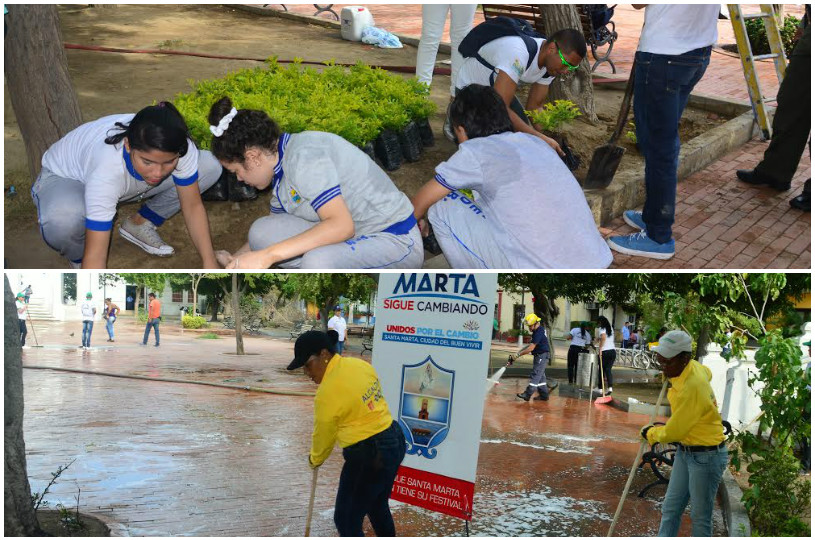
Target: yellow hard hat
<point x="532" y="319"/>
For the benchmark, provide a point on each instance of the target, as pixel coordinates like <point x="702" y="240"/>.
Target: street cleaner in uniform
<point x="539" y="347"/>
<point x="696" y="426"/>
<point x="350" y="409"/>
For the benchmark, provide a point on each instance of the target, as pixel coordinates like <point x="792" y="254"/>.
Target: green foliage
<point x="757" y="35"/>
<point x="325" y="290"/>
<point x="552" y="116"/>
<point x="631" y="134"/>
<point x="209" y="335"/>
<point x="193" y="322"/>
<point x="38" y="499"/>
<point x="355" y="103"/>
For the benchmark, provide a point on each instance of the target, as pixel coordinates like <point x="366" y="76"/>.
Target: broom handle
<point x="311" y="501"/>
<point x="27" y="314"/>
<point x="643" y="444"/>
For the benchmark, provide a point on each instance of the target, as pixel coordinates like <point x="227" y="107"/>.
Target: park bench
<point x="661" y="458"/>
<point x="299" y="330"/>
<point x="367" y="344"/>
<point x="250" y="327"/>
<point x="597" y="35"/>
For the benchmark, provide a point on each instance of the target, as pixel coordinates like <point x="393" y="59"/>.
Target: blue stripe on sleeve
<point x="325" y="197"/>
<point x="94" y="225"/>
<point x="440" y="179"/>
<point x="186" y="181"/>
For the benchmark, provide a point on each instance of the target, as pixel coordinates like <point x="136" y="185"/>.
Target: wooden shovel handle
<point x="625" y="107"/>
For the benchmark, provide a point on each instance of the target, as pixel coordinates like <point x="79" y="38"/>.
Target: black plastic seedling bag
<point x="368" y="148"/>
<point x="239" y="192"/>
<point x="426" y="132"/>
<point x="411" y="142"/>
<point x="219" y="190"/>
<point x="388" y="150"/>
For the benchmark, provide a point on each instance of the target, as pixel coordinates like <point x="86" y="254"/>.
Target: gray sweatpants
<point x="61" y="205"/>
<point x="378" y="250"/>
<point x="537" y="380"/>
<point x="466" y="235"/>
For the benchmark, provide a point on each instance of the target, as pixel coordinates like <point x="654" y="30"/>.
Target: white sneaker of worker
<point x="146" y="237"/>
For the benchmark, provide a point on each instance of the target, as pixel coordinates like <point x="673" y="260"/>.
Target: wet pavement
<point x="160" y="459"/>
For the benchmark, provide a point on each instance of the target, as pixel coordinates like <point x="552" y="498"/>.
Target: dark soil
<point x="51" y="523"/>
<point x="108" y="83"/>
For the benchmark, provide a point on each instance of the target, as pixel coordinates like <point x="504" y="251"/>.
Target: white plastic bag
<point x="381" y="38"/>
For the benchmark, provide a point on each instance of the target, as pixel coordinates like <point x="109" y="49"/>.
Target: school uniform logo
<point x="295" y="197"/>
<point x="517" y="67"/>
<point x="425" y="406"/>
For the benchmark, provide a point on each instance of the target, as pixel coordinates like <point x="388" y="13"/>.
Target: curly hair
<point x="249" y="129"/>
<point x="157" y="127"/>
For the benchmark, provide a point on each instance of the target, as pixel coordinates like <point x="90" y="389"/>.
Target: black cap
<point x="308" y="344"/>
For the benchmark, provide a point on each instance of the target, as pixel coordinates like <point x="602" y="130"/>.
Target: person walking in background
<point x="433" y="19"/>
<point x="673" y="54"/>
<point x="539" y="347"/>
<point x="350" y="410"/>
<point x="88" y="315"/>
<point x="626" y="335"/>
<point x="22" y="313"/>
<point x="607" y="353"/>
<point x="791" y="125"/>
<point x="27" y="293"/>
<point x="339" y="325"/>
<point x="153" y="318"/>
<point x="111" y="313"/>
<point x="580" y="338"/>
<point x="696" y="426"/>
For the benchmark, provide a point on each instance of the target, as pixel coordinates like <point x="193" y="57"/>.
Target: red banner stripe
<point x="435" y="492"/>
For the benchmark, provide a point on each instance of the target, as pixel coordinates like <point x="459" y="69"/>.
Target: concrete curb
<point x="735" y="514"/>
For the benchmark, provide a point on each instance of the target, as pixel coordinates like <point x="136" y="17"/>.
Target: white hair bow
<point x="224" y="123"/>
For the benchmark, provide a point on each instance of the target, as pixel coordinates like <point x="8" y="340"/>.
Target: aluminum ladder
<point x="770" y="17"/>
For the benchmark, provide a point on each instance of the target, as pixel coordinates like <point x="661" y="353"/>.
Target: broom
<point x="604" y="399"/>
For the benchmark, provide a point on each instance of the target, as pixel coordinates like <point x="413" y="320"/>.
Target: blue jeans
<point x="87" y="329"/>
<point x="340" y="347"/>
<point x="366" y="482"/>
<point x="662" y="84"/>
<point x="695" y="477"/>
<point x="151" y="323"/>
<point x="109" y="326"/>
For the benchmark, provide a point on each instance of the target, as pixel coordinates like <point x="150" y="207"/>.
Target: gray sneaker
<point x="146" y="237"/>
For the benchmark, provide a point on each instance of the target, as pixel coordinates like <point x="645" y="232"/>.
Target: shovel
<point x="607" y="158"/>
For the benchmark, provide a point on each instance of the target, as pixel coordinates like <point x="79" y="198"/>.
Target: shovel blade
<point x="603" y="166"/>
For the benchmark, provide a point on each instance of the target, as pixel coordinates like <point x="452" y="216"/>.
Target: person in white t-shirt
<point x="331" y="206"/>
<point x="22" y="313"/>
<point x="608" y="354"/>
<point x="117" y="159"/>
<point x="581" y="338"/>
<point x="508" y="57"/>
<point x="88" y="310"/>
<point x="673" y="54"/>
<point x="338" y="324"/>
<point x="529" y="211"/>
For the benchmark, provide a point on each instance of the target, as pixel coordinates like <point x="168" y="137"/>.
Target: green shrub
<point x="356" y="103"/>
<point x="193" y="322"/>
<point x="758" y="35"/>
<point x="553" y="115"/>
<point x="209" y="335"/>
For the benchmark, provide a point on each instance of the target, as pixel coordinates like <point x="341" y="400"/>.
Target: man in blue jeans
<point x="696" y="426"/>
<point x="673" y="54"/>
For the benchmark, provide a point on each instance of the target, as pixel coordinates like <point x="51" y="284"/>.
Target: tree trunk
<point x="42" y="96"/>
<point x="702" y="343"/>
<point x="216" y="305"/>
<point x="236" y="313"/>
<point x="136" y="306"/>
<point x="577" y="88"/>
<point x="20" y="519"/>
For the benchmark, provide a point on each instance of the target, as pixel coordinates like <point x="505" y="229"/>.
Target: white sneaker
<point x="74" y="265"/>
<point x="146" y="237"/>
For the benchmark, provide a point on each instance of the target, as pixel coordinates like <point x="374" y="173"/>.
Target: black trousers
<point x="23" y="332"/>
<point x="571" y="362"/>
<point x="791" y="125"/>
<point x="607" y="359"/>
<point x="366" y="482"/>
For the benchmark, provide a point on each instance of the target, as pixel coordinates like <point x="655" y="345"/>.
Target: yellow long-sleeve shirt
<point x="349" y="407"/>
<point x="695" y="418"/>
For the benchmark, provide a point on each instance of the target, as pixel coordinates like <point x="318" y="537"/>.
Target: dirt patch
<point x="108" y="83"/>
<point x="52" y="523"/>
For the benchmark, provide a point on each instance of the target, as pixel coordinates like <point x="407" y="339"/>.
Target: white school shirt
<point x="678" y="28"/>
<point x="609" y="343"/>
<point x="106" y="169"/>
<point x="577" y="337"/>
<point x="508" y="54"/>
<point x="316" y="167"/>
<point x="539" y="211"/>
<point x="87" y="310"/>
<point x="21" y="315"/>
<point x="338" y="324"/>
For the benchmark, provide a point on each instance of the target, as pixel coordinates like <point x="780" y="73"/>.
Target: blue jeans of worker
<point x="154" y="324"/>
<point x="87" y="329"/>
<point x="366" y="482"/>
<point x="109" y="326"/>
<point x="695" y="477"/>
<point x="662" y="84"/>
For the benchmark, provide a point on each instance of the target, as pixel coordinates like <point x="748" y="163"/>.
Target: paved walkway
<point x="720" y="222"/>
<point x="161" y="459"/>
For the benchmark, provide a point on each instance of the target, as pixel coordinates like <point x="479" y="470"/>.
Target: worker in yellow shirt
<point x="350" y="409"/>
<point x="696" y="426"/>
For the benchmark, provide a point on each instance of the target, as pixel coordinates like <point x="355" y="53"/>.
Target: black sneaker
<point x="756" y="179"/>
<point x="522" y="396"/>
<point x="803" y="201"/>
<point x="541" y="398"/>
<point x="430" y="243"/>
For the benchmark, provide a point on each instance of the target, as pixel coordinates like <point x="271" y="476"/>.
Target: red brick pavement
<point x="720" y="223"/>
<point x="159" y="459"/>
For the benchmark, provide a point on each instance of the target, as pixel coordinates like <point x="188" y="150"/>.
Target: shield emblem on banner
<point x="425" y="406"/>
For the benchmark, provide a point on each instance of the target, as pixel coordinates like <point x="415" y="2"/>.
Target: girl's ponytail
<point x="157" y="127"/>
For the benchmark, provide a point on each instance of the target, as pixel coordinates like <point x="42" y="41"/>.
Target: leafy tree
<point x="325" y="290"/>
<point x="193" y="281"/>
<point x="154" y="281"/>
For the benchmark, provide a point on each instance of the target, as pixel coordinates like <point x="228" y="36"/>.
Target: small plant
<point x="169" y="44"/>
<point x="70" y="519"/>
<point x="193" y="322"/>
<point x="631" y="134"/>
<point x="209" y="335"/>
<point x="38" y="499"/>
<point x="553" y="115"/>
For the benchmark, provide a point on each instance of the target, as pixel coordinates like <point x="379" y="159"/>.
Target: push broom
<point x="311" y="501"/>
<point x="604" y="399"/>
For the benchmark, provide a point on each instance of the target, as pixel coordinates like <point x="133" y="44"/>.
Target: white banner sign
<point x="431" y="352"/>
